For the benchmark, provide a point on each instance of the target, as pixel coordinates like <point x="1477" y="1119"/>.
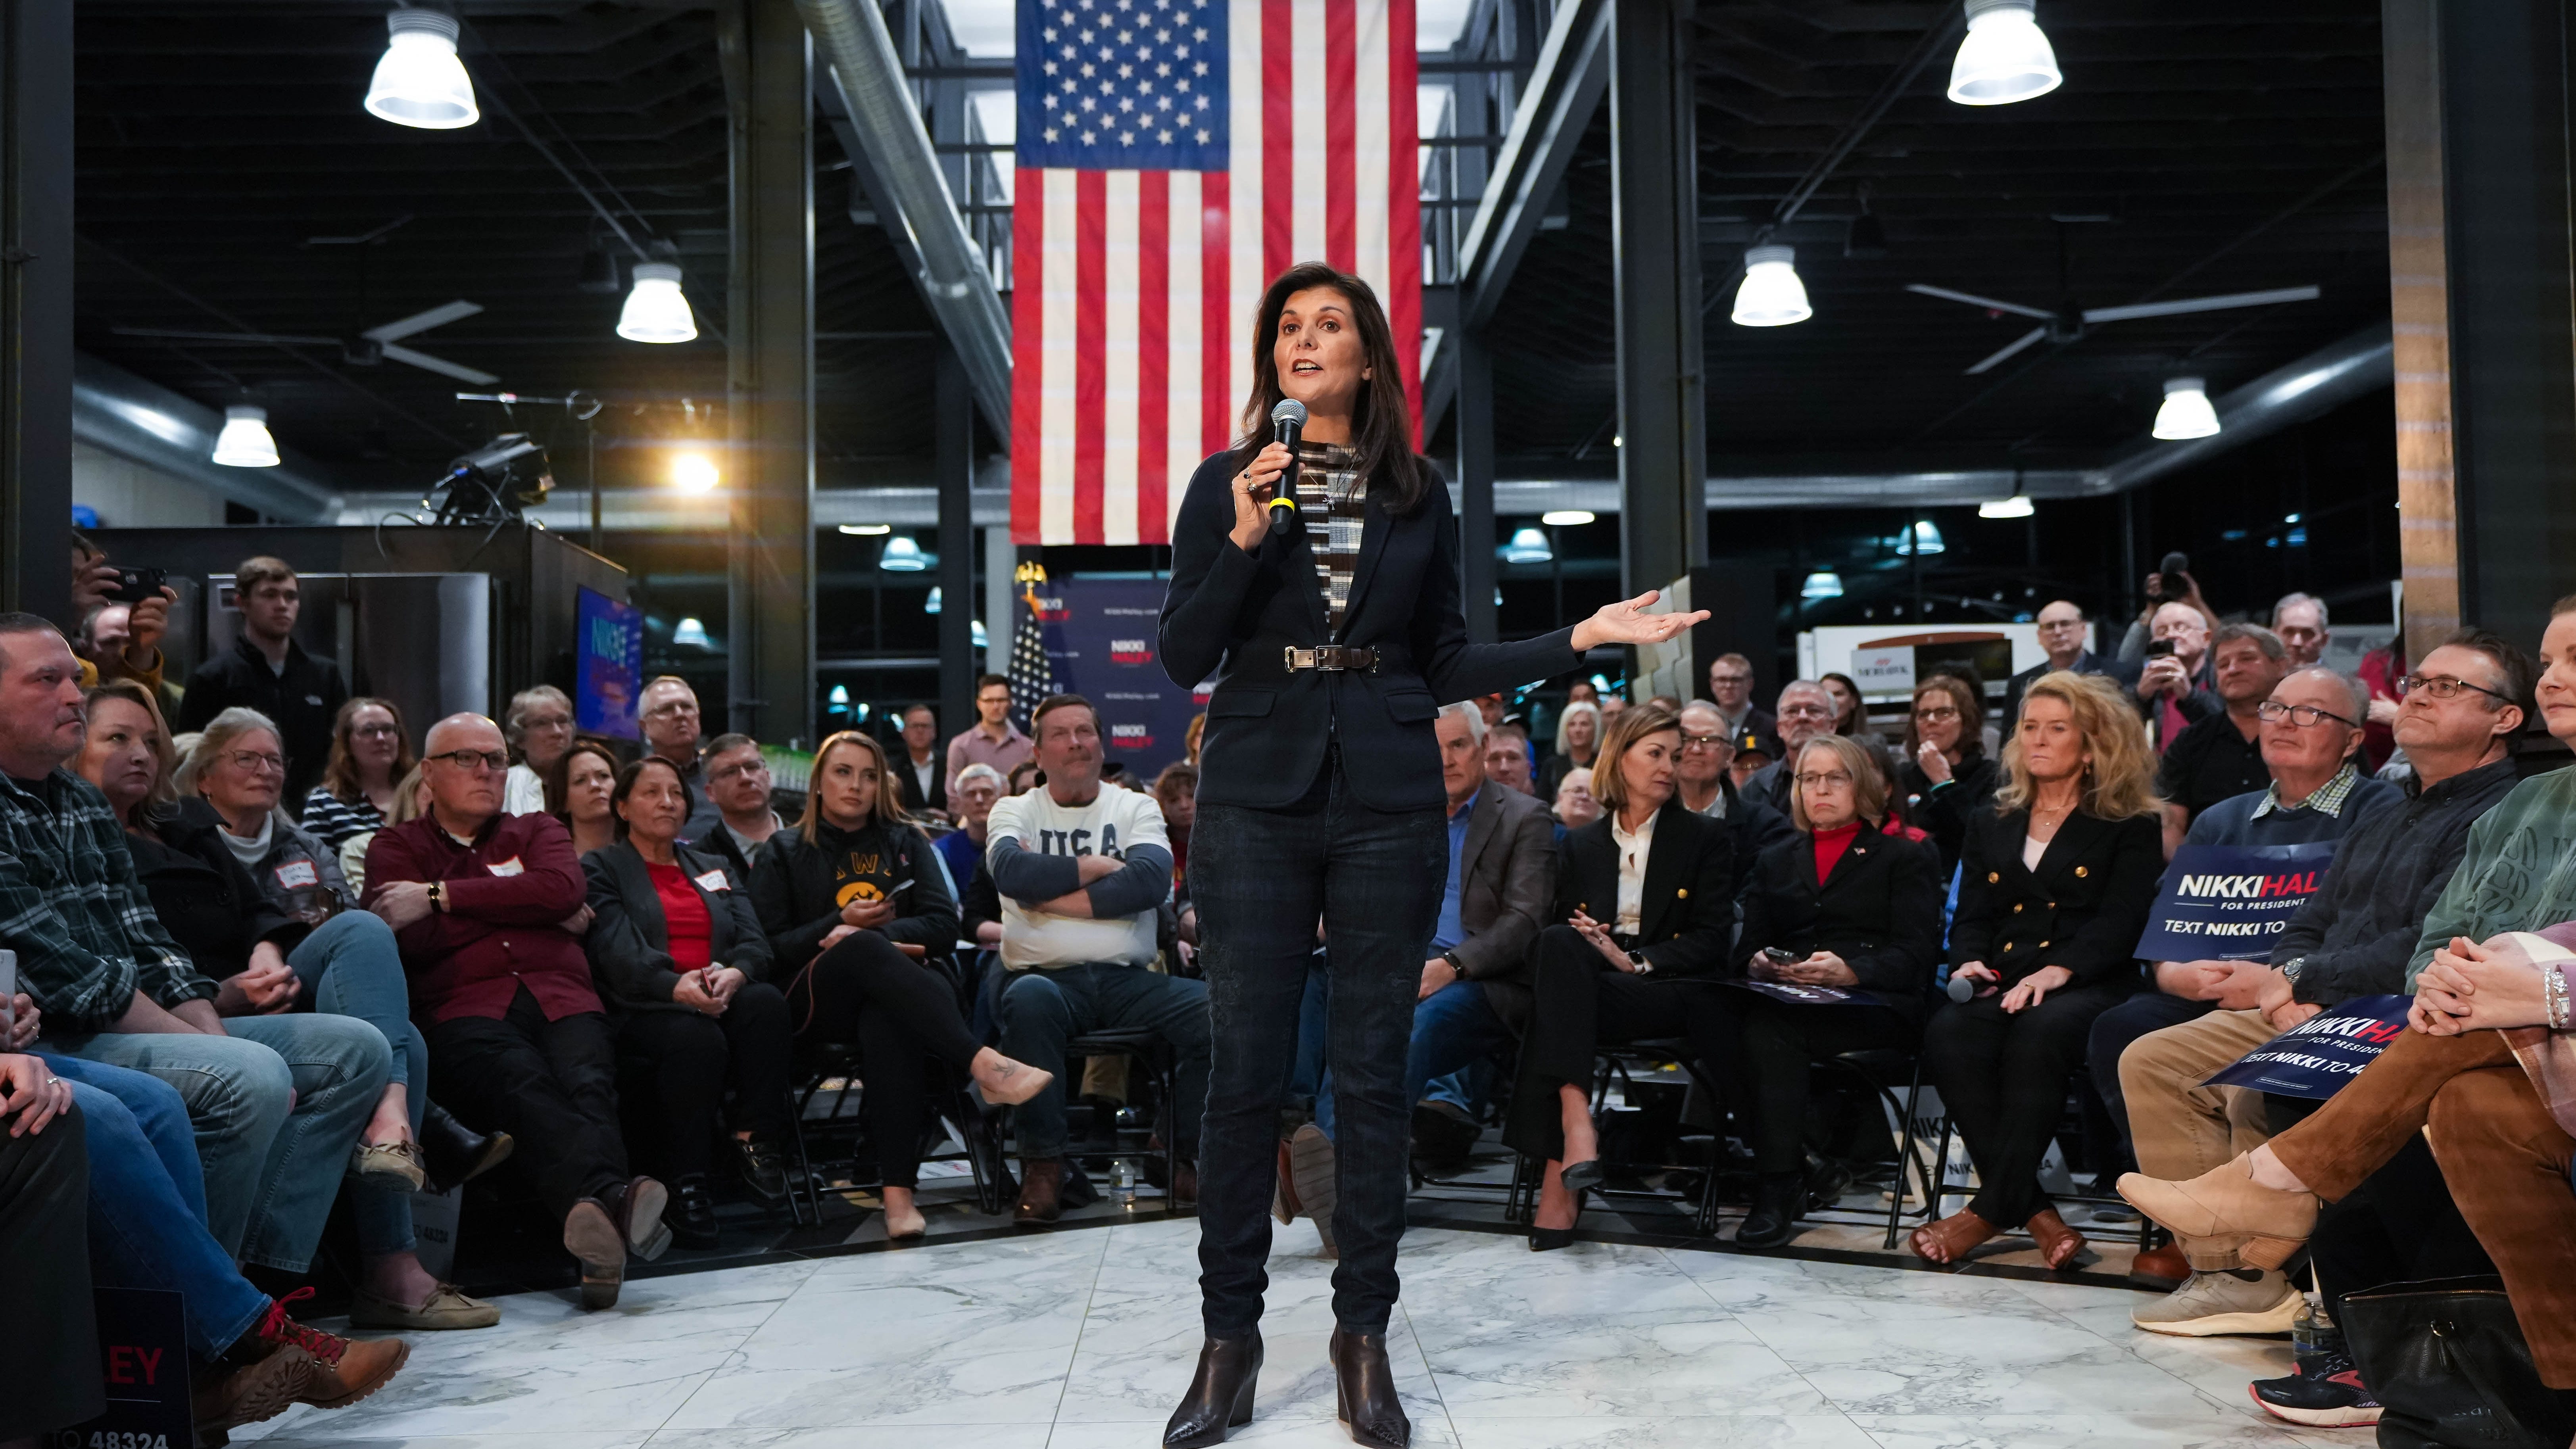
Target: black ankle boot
<point x="1776" y="1206"/>
<point x="454" y="1153"/>
<point x="691" y="1217"/>
<point x="1220" y="1394"/>
<point x="1365" y="1387"/>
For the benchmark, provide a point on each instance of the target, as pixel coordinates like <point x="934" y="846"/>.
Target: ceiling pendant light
<point x="656" y="309"/>
<point x="2005" y="58"/>
<point x="1528" y="546"/>
<point x="2017" y="506"/>
<point x="1772" y="295"/>
<point x="244" y="442"/>
<point x="2186" y="413"/>
<point x="1822" y="584"/>
<point x="420" y="82"/>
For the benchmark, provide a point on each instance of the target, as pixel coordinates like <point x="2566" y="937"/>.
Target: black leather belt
<point x="1331" y="657"/>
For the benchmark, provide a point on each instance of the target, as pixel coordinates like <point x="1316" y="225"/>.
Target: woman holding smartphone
<point x="861" y="922"/>
<point x="1333" y="636"/>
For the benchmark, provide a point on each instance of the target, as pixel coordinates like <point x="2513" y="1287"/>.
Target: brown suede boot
<point x="2227" y="1205"/>
<point x="1041" y="1192"/>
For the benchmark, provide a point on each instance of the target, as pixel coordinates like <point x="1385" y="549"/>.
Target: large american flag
<point x="1173" y="157"/>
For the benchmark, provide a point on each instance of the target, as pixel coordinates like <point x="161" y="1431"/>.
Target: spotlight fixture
<point x="1528" y="546"/>
<point x="1822" y="584"/>
<point x="1772" y="295"/>
<point x="2017" y="506"/>
<point x="656" y="309"/>
<point x="2005" y="57"/>
<point x="694" y="473"/>
<point x="2186" y="412"/>
<point x="244" y="442"/>
<point x="903" y="556"/>
<point x="420" y="82"/>
<point x="1566" y="517"/>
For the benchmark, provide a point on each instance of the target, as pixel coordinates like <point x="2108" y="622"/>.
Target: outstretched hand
<point x="1627" y="622"/>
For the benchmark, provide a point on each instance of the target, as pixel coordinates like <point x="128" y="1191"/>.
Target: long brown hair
<point x="888" y="806"/>
<point x="557" y="777"/>
<point x="1381" y="428"/>
<point x="1972" y="715"/>
<point x="340" y="777"/>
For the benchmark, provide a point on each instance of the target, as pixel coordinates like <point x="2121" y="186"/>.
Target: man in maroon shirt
<point x="488" y="908"/>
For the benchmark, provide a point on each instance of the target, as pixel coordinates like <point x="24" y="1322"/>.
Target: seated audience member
<point x="539" y="727"/>
<point x="667" y="713"/>
<point x="860" y="924"/>
<point x="2055" y="885"/>
<point x="238" y="767"/>
<point x="488" y="906"/>
<point x="1024" y="777"/>
<point x="2063" y="632"/>
<point x="1578" y="740"/>
<point x="1612" y="704"/>
<point x="1585" y="691"/>
<point x="2352" y="938"/>
<point x="739" y="783"/>
<point x="679" y="957"/>
<point x="1576" y="806"/>
<point x="973" y="795"/>
<point x="1752" y="753"/>
<point x="2173" y="689"/>
<point x="993" y="741"/>
<point x="147" y="1229"/>
<point x="2300" y="621"/>
<point x="1701" y="783"/>
<point x="278" y="1102"/>
<point x="1082" y="873"/>
<point x="1177" y="791"/>
<point x="1947" y="777"/>
<point x="1730" y="685"/>
<point x="266" y="959"/>
<point x="2317" y="794"/>
<point x="1806" y="711"/>
<point x="2221" y="757"/>
<point x="589" y="778"/>
<point x="1507" y="756"/>
<point x="52" y="1379"/>
<point x="1475" y="992"/>
<point x="1658" y="876"/>
<point x="268" y="671"/>
<point x="370" y="754"/>
<point x="1851" y="712"/>
<point x="1849" y="907"/>
<point x="923" y="773"/>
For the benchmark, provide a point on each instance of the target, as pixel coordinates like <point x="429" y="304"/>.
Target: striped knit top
<point x="1333" y="499"/>
<point x="335" y="819"/>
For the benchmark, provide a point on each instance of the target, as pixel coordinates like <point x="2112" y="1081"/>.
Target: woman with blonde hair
<point x="2055" y="884"/>
<point x="540" y="731"/>
<point x="1578" y="744"/>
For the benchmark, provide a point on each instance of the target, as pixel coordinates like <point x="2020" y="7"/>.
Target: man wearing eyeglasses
<point x="1730" y="684"/>
<point x="489" y="909"/>
<point x="668" y="713"/>
<point x="2222" y="756"/>
<point x="2353" y="938"/>
<point x="1806" y="711"/>
<point x="2063" y="630"/>
<point x="1700" y="782"/>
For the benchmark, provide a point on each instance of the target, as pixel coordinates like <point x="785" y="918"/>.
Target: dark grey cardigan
<point x="629" y="941"/>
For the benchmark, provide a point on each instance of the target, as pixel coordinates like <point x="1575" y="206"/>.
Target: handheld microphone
<point x="1286" y="421"/>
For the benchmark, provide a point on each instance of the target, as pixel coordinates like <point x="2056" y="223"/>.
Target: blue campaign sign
<point x="1102" y="641"/>
<point x="2316" y="1057"/>
<point x="608" y="665"/>
<point x="2229" y="902"/>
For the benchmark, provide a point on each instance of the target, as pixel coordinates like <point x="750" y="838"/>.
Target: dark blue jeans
<point x="1043" y="1009"/>
<point x="1455" y="1030"/>
<point x="1262" y="879"/>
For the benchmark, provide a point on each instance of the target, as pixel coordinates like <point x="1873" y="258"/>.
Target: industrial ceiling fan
<point x="365" y="349"/>
<point x="2067" y="323"/>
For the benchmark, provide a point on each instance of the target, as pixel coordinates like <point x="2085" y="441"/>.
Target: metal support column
<point x="953" y="414"/>
<point x="36" y="307"/>
<point x="770" y="553"/>
<point x="2480" y="291"/>
<point x="1476" y="484"/>
<point x="1001" y="561"/>
<point x="1663" y="442"/>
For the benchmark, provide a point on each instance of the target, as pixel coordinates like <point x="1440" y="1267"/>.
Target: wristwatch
<point x="438" y="896"/>
<point x="1455" y="964"/>
<point x="2291" y="968"/>
<point x="1638" y="960"/>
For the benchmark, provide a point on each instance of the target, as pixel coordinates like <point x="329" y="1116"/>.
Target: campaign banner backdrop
<point x="2229" y="902"/>
<point x="608" y="665"/>
<point x="2316" y="1057"/>
<point x="1103" y="644"/>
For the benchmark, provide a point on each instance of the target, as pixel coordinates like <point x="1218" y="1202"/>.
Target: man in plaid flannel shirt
<point x="115" y="988"/>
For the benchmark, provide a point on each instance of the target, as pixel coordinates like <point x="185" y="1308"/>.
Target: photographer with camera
<point x="123" y="613"/>
<point x="267" y="671"/>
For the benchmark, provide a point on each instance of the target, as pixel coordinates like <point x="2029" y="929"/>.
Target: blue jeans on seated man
<point x="1452" y="1031"/>
<point x="1044" y="1008"/>
<point x="147" y="1202"/>
<point x="277" y="1103"/>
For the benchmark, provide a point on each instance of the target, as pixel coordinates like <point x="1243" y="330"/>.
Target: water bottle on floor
<point x="1122" y="1184"/>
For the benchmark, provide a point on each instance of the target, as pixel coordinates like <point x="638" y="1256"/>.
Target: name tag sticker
<point x="714" y="880"/>
<point x="506" y="867"/>
<point x="297" y="874"/>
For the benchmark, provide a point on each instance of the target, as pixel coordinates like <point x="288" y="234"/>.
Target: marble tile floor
<point x="1081" y="1340"/>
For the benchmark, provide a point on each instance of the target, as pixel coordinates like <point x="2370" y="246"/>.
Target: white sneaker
<point x="2212" y="1304"/>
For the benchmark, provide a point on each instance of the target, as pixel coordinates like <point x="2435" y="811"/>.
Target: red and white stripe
<point x="1134" y="290"/>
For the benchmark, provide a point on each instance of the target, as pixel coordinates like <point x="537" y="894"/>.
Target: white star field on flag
<point x="1113" y="84"/>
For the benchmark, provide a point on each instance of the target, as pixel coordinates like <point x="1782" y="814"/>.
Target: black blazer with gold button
<point x="1880" y="911"/>
<point x="1685" y="915"/>
<point x="2082" y="909"/>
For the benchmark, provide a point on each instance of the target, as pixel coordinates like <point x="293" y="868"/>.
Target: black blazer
<point x="1880" y="911"/>
<point x="629" y="940"/>
<point x="2082" y="909"/>
<point x="1687" y="913"/>
<point x="1944" y="813"/>
<point x="791" y="888"/>
<point x="1231" y="614"/>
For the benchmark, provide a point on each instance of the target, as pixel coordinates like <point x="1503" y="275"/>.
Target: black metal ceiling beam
<point x="1557" y="105"/>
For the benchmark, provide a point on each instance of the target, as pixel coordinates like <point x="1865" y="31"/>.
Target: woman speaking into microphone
<point x="1333" y="638"/>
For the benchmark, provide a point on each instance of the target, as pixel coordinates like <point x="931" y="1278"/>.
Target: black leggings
<point x="903" y="1015"/>
<point x="1582" y="1001"/>
<point x="694" y="1058"/>
<point x="2004" y="1080"/>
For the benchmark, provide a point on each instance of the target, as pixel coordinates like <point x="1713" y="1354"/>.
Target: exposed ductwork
<point x="143" y="422"/>
<point x="896" y="162"/>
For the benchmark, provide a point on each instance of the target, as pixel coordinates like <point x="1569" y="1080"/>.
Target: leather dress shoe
<point x="637" y="1205"/>
<point x="1041" y="1192"/>
<point x="1774" y="1218"/>
<point x="763" y="1168"/>
<point x="454" y="1154"/>
<point x="1365" y="1390"/>
<point x="691" y="1217"/>
<point x="1220" y="1393"/>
